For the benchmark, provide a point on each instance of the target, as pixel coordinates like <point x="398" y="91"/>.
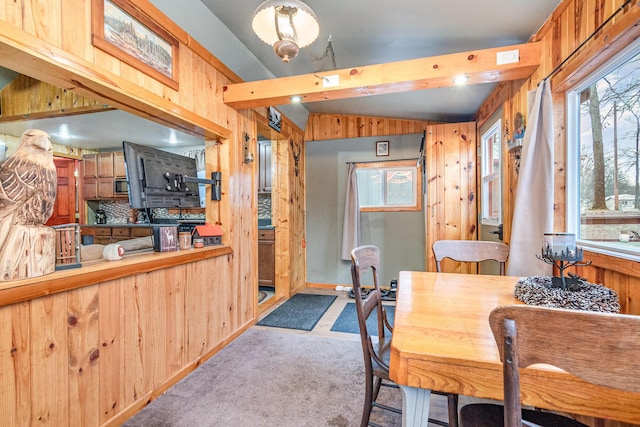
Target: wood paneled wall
<point x="338" y="126"/>
<point x="96" y="355"/>
<point x="571" y="24"/>
<point x="26" y="97"/>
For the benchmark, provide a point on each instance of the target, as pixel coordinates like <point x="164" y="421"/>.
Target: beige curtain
<point x="351" y="224"/>
<point x="533" y="211"/>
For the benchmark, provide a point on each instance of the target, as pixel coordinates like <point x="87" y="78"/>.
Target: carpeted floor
<point x="270" y="377"/>
<point x="273" y="377"/>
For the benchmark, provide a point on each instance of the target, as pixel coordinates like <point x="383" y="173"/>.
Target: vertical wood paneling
<point x="196" y="304"/>
<point x="43" y="18"/>
<point x="451" y="185"/>
<point x="111" y="341"/>
<point x="11" y="12"/>
<point x="77" y="15"/>
<point x="15" y="367"/>
<point x="335" y="126"/>
<point x="173" y="283"/>
<point x="151" y="326"/>
<point x="132" y="361"/>
<point x="49" y="361"/>
<point x="84" y="355"/>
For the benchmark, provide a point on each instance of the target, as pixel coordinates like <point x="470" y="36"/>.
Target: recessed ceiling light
<point x="172" y="137"/>
<point x="461" y="79"/>
<point x="296" y="98"/>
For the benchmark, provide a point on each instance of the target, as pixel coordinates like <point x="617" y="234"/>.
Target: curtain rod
<point x="380" y="161"/>
<point x="555" y="70"/>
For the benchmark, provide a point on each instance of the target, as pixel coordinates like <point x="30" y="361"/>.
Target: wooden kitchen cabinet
<point x="105" y="188"/>
<point x="104" y="235"/>
<point x="119" y="170"/>
<point x="264" y="166"/>
<point x="105" y="165"/>
<point x="99" y="173"/>
<point x="89" y="166"/>
<point x="266" y="258"/>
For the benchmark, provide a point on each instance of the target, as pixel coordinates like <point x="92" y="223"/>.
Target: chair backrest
<point x="364" y="259"/>
<point x="471" y="251"/>
<point x="599" y="348"/>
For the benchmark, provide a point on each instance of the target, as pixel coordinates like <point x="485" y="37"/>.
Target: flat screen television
<point x="158" y="179"/>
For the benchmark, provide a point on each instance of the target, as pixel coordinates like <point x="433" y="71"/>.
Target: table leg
<point x="415" y="406"/>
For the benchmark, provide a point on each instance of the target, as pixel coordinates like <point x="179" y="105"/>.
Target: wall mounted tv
<point x="160" y="179"/>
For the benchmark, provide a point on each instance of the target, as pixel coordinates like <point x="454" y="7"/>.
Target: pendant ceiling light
<point x="287" y="25"/>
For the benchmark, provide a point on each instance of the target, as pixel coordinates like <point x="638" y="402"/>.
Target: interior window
<point x="491" y="183"/>
<point x="389" y="186"/>
<point x="604" y="205"/>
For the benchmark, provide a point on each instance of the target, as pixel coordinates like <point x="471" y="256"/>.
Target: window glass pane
<point x="370" y="187"/>
<point x="389" y="186"/>
<point x="400" y="188"/>
<point x="491" y="194"/>
<point x="492" y="199"/>
<point x="608" y="137"/>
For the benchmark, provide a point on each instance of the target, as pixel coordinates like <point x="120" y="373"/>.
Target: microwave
<point x="120" y="187"/>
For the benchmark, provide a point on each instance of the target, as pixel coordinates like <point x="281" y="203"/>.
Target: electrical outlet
<point x="508" y="57"/>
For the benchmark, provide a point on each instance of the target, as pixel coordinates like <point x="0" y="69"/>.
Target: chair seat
<point x="489" y="415"/>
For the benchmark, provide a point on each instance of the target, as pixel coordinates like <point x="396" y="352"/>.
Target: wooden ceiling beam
<point x="402" y="76"/>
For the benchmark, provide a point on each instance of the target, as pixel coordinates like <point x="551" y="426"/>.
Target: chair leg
<point x="452" y="405"/>
<point x="368" y="401"/>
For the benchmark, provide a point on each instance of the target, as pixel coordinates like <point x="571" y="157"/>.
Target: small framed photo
<point x="382" y="148"/>
<point x="275" y="119"/>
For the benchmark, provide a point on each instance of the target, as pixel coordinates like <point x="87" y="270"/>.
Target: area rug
<point x="261" y="296"/>
<point x="347" y="321"/>
<point x="301" y="311"/>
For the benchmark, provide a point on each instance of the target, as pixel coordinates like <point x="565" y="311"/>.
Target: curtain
<point x="351" y="225"/>
<point x="533" y="211"/>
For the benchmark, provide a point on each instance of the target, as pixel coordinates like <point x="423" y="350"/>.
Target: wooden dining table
<point x="442" y="341"/>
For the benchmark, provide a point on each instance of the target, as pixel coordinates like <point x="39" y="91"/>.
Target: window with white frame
<point x="603" y="173"/>
<point x="491" y="193"/>
<point x="389" y="186"/>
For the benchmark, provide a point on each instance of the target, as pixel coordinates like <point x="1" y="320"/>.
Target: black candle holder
<point x="563" y="260"/>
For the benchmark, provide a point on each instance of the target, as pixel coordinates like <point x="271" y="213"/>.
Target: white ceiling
<point x="104" y="131"/>
<point x="364" y="32"/>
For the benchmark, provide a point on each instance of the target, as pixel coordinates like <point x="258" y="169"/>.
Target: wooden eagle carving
<point x="28" y="186"/>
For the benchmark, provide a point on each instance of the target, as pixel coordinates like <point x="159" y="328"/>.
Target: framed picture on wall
<point x="275" y="118"/>
<point x="382" y="148"/>
<point x="125" y="32"/>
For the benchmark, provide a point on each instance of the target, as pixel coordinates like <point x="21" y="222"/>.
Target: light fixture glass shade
<point x="287" y="25"/>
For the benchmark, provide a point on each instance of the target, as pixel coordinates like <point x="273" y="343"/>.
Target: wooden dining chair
<point x="376" y="355"/>
<point x="599" y="348"/>
<point x="471" y="251"/>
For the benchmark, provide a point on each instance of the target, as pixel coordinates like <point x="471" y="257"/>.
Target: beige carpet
<point x="277" y="377"/>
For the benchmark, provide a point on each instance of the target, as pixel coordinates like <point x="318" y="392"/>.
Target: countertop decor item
<point x="28" y="188"/>
<point x="539" y="290"/>
<point x="560" y="250"/>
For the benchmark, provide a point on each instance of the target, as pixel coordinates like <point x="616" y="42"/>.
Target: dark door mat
<point x="385" y="294"/>
<point x="347" y="321"/>
<point x="301" y="311"/>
